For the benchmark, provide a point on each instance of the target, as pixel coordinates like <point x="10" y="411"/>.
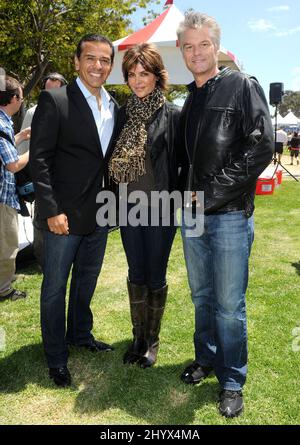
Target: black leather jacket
<point x="162" y="133"/>
<point x="237" y="137"/>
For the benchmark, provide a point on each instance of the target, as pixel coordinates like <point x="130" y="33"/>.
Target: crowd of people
<point x="82" y="142"/>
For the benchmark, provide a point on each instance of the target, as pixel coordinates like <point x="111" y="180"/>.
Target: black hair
<point x="12" y="88"/>
<point x="95" y="38"/>
<point x="54" y="76"/>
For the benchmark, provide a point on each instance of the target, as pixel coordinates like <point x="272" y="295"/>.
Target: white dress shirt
<point x="104" y="118"/>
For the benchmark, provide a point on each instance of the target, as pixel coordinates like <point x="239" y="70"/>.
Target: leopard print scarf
<point x="128" y="159"/>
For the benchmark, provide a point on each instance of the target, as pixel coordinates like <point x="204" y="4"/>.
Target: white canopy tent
<point x="291" y="119"/>
<point x="280" y="120"/>
<point x="162" y="32"/>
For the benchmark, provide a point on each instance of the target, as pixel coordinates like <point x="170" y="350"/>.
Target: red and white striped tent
<point x="162" y="32"/>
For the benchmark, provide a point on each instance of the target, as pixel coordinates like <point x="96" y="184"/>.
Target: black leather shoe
<point x="195" y="373"/>
<point x="98" y="346"/>
<point x="13" y="295"/>
<point x="231" y="403"/>
<point x="61" y="376"/>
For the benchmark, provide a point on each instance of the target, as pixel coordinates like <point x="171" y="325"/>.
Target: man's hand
<point x="58" y="224"/>
<point x="24" y="135"/>
<point x="15" y="167"/>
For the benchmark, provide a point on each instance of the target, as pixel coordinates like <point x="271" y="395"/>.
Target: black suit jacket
<point x="66" y="159"/>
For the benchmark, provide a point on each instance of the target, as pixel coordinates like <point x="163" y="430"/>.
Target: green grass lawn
<point x="104" y="391"/>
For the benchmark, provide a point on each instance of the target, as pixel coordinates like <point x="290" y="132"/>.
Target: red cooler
<point x="265" y="186"/>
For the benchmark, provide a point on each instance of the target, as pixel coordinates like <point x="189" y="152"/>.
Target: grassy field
<point x="104" y="391"/>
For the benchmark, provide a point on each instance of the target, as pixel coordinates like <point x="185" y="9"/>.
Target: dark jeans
<point x="85" y="253"/>
<point x="147" y="250"/>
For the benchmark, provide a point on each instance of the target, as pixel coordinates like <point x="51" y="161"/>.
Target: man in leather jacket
<point x="227" y="142"/>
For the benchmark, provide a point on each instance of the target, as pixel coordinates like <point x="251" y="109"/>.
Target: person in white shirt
<point x="280" y="142"/>
<point x="52" y="80"/>
<point x="71" y="132"/>
<point x="49" y="82"/>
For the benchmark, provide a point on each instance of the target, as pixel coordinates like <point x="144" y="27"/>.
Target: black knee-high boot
<point x="155" y="306"/>
<point x="137" y="300"/>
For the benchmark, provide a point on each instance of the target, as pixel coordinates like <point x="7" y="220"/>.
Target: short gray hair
<point x="196" y="20"/>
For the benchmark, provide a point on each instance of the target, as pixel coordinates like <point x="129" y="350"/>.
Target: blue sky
<point x="263" y="34"/>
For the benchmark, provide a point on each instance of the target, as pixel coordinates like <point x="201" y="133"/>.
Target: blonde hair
<point x="148" y="56"/>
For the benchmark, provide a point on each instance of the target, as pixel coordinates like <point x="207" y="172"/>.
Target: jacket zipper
<point x="186" y="149"/>
<point x="190" y="174"/>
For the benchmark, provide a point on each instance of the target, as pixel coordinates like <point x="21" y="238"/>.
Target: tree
<point x="291" y="101"/>
<point x="41" y="35"/>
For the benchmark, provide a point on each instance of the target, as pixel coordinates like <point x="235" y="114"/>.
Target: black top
<point x="295" y="142"/>
<point x="162" y="133"/>
<point x="195" y="116"/>
<point x="146" y="182"/>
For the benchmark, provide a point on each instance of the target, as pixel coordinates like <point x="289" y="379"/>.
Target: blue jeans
<point x="217" y="266"/>
<point x="85" y="253"/>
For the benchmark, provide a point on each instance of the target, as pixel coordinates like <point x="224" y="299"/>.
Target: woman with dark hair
<point x="144" y="160"/>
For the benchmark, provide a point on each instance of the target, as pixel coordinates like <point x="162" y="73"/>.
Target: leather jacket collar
<point x="211" y="83"/>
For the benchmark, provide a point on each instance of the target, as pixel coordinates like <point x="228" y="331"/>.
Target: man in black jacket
<point x="71" y="132"/>
<point x="228" y="142"/>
